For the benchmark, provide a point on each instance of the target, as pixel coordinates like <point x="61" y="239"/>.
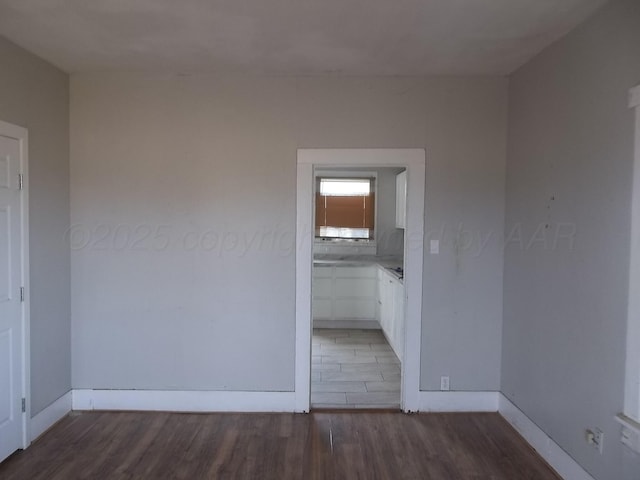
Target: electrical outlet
<point x="444" y="383"/>
<point x="595" y="438"/>
<point x="434" y="247"/>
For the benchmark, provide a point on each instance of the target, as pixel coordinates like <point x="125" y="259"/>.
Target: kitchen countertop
<point x="388" y="262"/>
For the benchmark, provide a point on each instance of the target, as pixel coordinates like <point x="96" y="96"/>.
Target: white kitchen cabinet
<point x="391" y="310"/>
<point x="357" y="297"/>
<point x="401" y="199"/>
<point x="322" y="309"/>
<point x="322" y="292"/>
<point x="382" y="300"/>
<point x="354" y="309"/>
<point x="344" y="293"/>
<point x="398" y="318"/>
<point x="386" y="310"/>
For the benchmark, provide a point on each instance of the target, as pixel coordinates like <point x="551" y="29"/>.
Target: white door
<point x="11" y="309"/>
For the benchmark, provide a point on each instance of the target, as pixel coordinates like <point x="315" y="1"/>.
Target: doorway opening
<point x="360" y="228"/>
<point x="357" y="287"/>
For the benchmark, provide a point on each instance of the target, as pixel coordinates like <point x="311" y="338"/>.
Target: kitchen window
<point x="345" y="208"/>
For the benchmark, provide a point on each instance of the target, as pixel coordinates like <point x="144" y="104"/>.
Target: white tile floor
<point x="353" y="369"/>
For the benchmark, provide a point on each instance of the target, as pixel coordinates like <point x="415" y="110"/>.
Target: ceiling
<point x="291" y="37"/>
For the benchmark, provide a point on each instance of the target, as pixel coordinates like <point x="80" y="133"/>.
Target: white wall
<point x="34" y="94"/>
<point x="570" y="163"/>
<point x="182" y="154"/>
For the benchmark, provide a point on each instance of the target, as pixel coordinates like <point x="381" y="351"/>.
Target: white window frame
<point x="630" y="418"/>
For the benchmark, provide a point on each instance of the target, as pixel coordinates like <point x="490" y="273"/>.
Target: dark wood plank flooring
<point x="327" y="445"/>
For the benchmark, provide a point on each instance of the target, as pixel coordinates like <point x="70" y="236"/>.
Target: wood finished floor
<point x="353" y="368"/>
<point x="358" y="445"/>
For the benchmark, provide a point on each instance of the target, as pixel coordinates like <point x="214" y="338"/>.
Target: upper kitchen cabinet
<point x="401" y="199"/>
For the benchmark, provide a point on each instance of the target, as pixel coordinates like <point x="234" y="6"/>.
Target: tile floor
<point x="353" y="369"/>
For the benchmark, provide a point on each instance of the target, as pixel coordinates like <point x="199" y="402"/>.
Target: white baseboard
<point x="359" y="324"/>
<point x="554" y="455"/>
<point x="184" y="401"/>
<point x="458" y="401"/>
<point x="222" y="401"/>
<point x="50" y="415"/>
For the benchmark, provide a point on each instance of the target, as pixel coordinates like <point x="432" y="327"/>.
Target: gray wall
<point x="178" y="155"/>
<point x="570" y="160"/>
<point x="35" y="95"/>
<point x="389" y="239"/>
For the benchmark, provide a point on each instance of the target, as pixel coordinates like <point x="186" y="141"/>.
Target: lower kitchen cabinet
<point x="391" y="310"/>
<point x="344" y="292"/>
<point x="360" y="294"/>
<point x="398" y="316"/>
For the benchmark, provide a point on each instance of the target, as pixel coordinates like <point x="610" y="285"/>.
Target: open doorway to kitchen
<point x="357" y="287"/>
<point x="360" y="228"/>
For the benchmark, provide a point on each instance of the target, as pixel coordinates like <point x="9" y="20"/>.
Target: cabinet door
<point x="355" y="288"/>
<point x="322" y="304"/>
<point x="391" y="313"/>
<point x="388" y="309"/>
<point x="384" y="305"/>
<point x="380" y="298"/>
<point x="401" y="199"/>
<point x="398" y="315"/>
<point x="354" y="293"/>
<point x="322" y="309"/>
<point x="354" y="309"/>
<point x="322" y="287"/>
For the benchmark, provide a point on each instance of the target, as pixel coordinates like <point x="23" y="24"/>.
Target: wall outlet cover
<point x="444" y="383"/>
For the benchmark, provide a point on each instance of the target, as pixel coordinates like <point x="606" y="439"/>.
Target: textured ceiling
<point x="291" y="37"/>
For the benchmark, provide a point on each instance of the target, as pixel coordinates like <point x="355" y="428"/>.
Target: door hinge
<point x="22" y="294"/>
<point x="20" y="181"/>
<point x="24" y="405"/>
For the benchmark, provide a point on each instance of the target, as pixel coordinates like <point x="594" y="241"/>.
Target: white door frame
<point x="632" y="370"/>
<point x="21" y="134"/>
<point x="414" y="161"/>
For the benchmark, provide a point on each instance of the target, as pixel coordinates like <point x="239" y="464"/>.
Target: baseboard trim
<point x="553" y="454"/>
<point x="359" y="324"/>
<point x="234" y="401"/>
<point x="48" y="417"/>
<point x="183" y="401"/>
<point x="458" y="401"/>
